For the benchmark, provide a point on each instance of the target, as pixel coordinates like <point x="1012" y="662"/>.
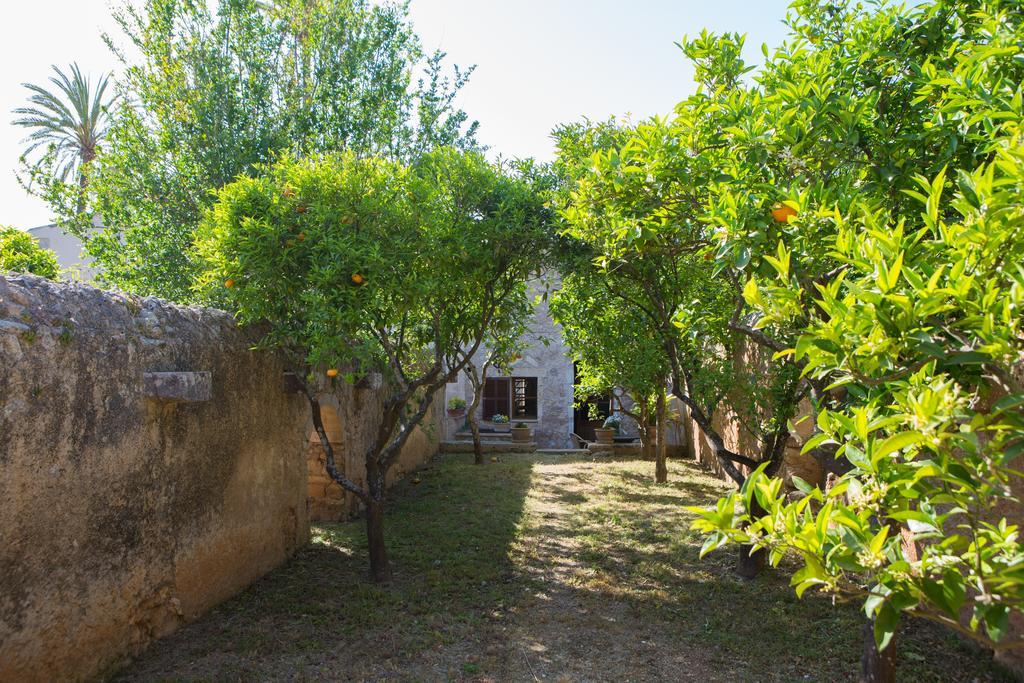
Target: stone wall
<point x="151" y="466"/>
<point x="349" y="419"/>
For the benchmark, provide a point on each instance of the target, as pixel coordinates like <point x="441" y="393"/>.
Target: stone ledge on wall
<point x="120" y="519"/>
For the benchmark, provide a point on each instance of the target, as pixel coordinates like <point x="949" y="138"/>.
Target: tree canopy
<point x="858" y="200"/>
<point x="212" y="91"/>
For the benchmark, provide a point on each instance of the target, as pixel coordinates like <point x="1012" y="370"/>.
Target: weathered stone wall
<point x="122" y="515"/>
<point x="751" y="359"/>
<point x="350" y="419"/>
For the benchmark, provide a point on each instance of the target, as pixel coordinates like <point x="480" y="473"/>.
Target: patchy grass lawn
<point x="550" y="568"/>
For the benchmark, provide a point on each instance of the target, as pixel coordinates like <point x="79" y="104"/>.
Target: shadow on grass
<point x="448" y="538"/>
<point x="632" y="546"/>
<point x="552" y="567"/>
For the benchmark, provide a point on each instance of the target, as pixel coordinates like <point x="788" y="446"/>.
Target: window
<point x="496" y="397"/>
<point x="512" y="396"/>
<point x="524" y="398"/>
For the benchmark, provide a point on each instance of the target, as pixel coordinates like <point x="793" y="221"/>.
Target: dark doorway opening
<point x="589" y="414"/>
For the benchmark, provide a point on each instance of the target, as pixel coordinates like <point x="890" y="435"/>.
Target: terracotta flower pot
<point x="521" y="434"/>
<point x="605" y="435"/>
<point x="456" y="412"/>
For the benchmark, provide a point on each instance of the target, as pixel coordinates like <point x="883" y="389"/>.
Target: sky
<point x="538" y="63"/>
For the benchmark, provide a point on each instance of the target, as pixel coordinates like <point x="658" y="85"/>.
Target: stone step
<point x="488" y="447"/>
<point x="484" y="436"/>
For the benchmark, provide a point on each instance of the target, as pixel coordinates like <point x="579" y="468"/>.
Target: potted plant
<point x="500" y="422"/>
<point x="606" y="432"/>
<point x="456" y="406"/>
<point x="521" y="433"/>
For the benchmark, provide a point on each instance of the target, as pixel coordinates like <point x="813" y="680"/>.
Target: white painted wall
<point x="74" y="264"/>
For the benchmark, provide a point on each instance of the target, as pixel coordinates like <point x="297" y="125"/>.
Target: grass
<point x="536" y="568"/>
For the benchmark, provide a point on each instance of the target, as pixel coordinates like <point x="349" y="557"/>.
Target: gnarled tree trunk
<point x="661" y="450"/>
<point x="478" y="384"/>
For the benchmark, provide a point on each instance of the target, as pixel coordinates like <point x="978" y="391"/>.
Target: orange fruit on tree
<point x="229" y="283"/>
<point x="358" y="279"/>
<point x="302" y="236"/>
<point x="301" y="208"/>
<point x="782" y="213"/>
<point x="332" y="372"/>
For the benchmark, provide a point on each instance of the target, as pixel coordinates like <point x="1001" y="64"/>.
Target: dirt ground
<point x="537" y="568"/>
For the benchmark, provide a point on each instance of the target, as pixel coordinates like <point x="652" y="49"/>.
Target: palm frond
<point x="70" y="119"/>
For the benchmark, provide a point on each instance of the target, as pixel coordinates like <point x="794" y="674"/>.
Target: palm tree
<point x="69" y="122"/>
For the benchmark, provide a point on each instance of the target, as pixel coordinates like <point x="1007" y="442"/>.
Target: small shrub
<point x="20" y="253"/>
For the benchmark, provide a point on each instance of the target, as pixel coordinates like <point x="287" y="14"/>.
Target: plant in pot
<point x="606" y="432"/>
<point x="521" y="433"/>
<point x="500" y="422"/>
<point x="456" y="406"/>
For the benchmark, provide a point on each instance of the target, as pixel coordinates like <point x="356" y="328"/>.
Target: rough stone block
<point x="178" y="387"/>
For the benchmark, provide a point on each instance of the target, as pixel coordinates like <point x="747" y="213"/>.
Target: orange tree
<point x="859" y="198"/>
<point x="887" y="144"/>
<point x="632" y="200"/>
<point x="615" y="351"/>
<point x="365" y="265"/>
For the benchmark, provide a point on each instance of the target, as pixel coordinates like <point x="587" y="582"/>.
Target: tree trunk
<point x="478" y="448"/>
<point x="380" y="568"/>
<point x="661" y="452"/>
<point x="750" y="564"/>
<point x="645" y="431"/>
<point x="478" y="384"/>
<point x="875" y="666"/>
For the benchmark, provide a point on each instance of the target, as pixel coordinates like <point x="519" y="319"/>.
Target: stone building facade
<point x="544" y="373"/>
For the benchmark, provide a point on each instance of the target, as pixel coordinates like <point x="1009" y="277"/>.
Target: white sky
<point x="539" y="62"/>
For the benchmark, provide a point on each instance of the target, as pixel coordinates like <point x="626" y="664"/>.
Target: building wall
<point x="74" y="263"/>
<point x="549" y="362"/>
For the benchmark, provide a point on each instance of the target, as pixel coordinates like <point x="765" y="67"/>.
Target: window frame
<point x="494" y="401"/>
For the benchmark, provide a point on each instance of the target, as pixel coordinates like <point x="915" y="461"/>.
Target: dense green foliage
<point x="20" y="253"/>
<point x="610" y="340"/>
<point x="860" y="197"/>
<point x="218" y="89"/>
<point x="362" y="265"/>
<point x="354" y="259"/>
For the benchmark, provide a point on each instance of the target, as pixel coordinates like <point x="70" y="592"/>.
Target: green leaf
<point x="895" y="443"/>
<point x="887" y="621"/>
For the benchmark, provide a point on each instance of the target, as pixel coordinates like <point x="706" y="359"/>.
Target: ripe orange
<point x="289" y="192"/>
<point x="302" y="236"/>
<point x="358" y="279"/>
<point x="229" y="283"/>
<point x="782" y="213"/>
<point x="301" y="208"/>
<point x="332" y="372"/>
